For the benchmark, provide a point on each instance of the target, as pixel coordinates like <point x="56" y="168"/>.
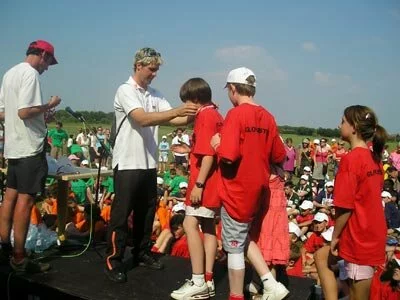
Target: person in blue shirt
<point x="163" y="151"/>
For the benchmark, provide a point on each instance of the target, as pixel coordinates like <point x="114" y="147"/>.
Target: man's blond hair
<point x="147" y="56"/>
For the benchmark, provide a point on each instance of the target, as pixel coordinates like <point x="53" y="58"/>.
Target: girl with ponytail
<point x="359" y="236"/>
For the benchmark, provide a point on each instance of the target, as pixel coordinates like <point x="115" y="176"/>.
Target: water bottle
<point x="39" y="242"/>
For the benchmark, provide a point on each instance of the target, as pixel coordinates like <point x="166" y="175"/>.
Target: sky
<point x="311" y="58"/>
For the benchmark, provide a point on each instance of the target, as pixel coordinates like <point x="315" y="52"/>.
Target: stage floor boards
<point x="82" y="277"/>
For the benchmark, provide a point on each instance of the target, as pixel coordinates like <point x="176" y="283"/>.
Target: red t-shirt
<point x="382" y="290"/>
<point x="250" y="140"/>
<point x="358" y="187"/>
<point x="301" y="219"/>
<point x="181" y="248"/>
<point x="314" y="242"/>
<point x="297" y="269"/>
<point x="208" y="122"/>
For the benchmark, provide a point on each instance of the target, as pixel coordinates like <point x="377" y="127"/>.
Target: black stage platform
<point x="82" y="278"/>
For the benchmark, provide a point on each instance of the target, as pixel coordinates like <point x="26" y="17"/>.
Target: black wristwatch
<point x="200" y="185"/>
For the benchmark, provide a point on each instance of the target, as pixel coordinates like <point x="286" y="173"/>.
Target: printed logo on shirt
<point x="256" y="130"/>
<point x="374" y="172"/>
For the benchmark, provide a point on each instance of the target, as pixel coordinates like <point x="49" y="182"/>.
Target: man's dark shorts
<point x="27" y="175"/>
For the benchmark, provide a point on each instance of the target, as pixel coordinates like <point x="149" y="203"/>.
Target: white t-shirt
<point x="21" y="89"/>
<point x="136" y="146"/>
<point x="184" y="139"/>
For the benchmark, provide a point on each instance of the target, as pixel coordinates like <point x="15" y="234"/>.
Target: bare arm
<point x="30" y="112"/>
<point x="206" y="164"/>
<point x="342" y="216"/>
<point x="146" y="119"/>
<point x="178" y="121"/>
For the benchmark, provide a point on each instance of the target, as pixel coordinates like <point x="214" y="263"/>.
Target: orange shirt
<point x="163" y="214"/>
<point x="36" y="217"/>
<point x="106" y="213"/>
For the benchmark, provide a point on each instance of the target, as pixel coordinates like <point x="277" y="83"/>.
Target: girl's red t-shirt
<point x="358" y="187"/>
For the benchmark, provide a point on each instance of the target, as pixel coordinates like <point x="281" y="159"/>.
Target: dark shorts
<point x="27" y="175"/>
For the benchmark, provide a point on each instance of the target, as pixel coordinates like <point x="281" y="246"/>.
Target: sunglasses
<point x="149" y="52"/>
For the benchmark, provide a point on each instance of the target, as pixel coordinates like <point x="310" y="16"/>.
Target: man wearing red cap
<point x="22" y="108"/>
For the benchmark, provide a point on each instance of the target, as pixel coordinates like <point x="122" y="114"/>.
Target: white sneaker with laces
<point x="278" y="292"/>
<point x="211" y="287"/>
<point x="190" y="291"/>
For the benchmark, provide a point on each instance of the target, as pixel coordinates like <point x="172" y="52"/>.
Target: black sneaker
<point x="29" y="266"/>
<point x="149" y="261"/>
<point x="115" y="275"/>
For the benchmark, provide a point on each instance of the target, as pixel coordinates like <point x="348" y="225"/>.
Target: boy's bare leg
<point x="196" y="248"/>
<point x="210" y="243"/>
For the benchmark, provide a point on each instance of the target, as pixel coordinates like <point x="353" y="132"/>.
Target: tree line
<point x="107" y="118"/>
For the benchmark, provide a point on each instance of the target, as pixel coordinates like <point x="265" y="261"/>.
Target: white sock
<point x="268" y="281"/>
<point x="198" y="279"/>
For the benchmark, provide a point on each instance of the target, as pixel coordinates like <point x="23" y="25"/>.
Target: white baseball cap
<point x="160" y="180"/>
<point x="307" y="169"/>
<point x="320" y="217"/>
<point x="307" y="204"/>
<point x="327" y="234"/>
<point x="164" y="137"/>
<point x="304" y="177"/>
<point x="178" y="207"/>
<point x="316" y="141"/>
<point x="293" y="228"/>
<point x="386" y="194"/>
<point x="85" y="162"/>
<point x="329" y="184"/>
<point x="183" y="185"/>
<point x="240" y="75"/>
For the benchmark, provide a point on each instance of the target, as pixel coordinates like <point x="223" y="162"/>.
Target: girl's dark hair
<point x="176" y="221"/>
<point x="365" y="122"/>
<point x="196" y="89"/>
<point x="387" y="275"/>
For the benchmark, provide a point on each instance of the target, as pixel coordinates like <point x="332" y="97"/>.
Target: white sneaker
<point x="211" y="288"/>
<point x="278" y="292"/>
<point x="190" y="291"/>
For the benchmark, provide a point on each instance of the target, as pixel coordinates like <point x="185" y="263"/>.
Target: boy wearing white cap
<point x="324" y="199"/>
<point x="163" y="150"/>
<point x="248" y="143"/>
<point x="314" y="241"/>
<point x="303" y="188"/>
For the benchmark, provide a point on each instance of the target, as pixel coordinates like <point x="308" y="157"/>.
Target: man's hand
<point x="54" y="101"/>
<point x="188" y="109"/>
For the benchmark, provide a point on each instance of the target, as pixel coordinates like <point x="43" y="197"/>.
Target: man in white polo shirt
<point x="22" y="108"/>
<point x="140" y="109"/>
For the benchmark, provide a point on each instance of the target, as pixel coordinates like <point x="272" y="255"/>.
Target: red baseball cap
<point x="46" y="46"/>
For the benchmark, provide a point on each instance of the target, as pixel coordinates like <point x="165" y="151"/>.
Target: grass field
<point x="72" y="128"/>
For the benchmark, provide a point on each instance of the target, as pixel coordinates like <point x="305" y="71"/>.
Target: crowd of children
<point x="285" y="218"/>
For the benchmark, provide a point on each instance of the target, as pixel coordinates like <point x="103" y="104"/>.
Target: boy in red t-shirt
<point x="202" y="202"/>
<point x="248" y="143"/>
<point x="359" y="235"/>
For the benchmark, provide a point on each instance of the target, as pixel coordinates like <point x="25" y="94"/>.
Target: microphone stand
<point x="104" y="152"/>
